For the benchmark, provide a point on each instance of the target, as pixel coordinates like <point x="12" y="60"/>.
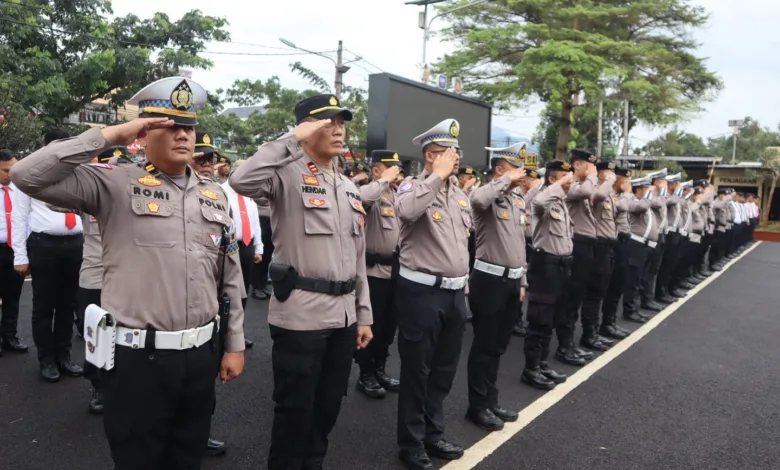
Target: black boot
<point x="592" y="341"/>
<point x="12" y="344"/>
<point x="551" y="374"/>
<point x="388" y="383"/>
<point x="567" y="355"/>
<point x="677" y="293"/>
<point x="485" y="419"/>
<point x="49" y="371"/>
<point x="652" y="305"/>
<point x="634" y="317"/>
<point x="215" y="448"/>
<point x="68" y="367"/>
<point x="536" y="379"/>
<point x="667" y="299"/>
<point x="369" y="386"/>
<point x="503" y="414"/>
<point x="520" y="329"/>
<point x="96" y="402"/>
<point x="611" y="330"/>
<point x="587" y="355"/>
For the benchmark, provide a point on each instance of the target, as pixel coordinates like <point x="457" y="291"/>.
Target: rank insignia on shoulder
<point x="317" y="202"/>
<point x="313" y="167"/>
<point x="406" y="186"/>
<point x="358" y="206"/>
<point x="311" y="180"/>
<point x="463" y="203"/>
<point x="153" y="207"/>
<point x="209" y="194"/>
<point x="436" y="215"/>
<point x="388" y="212"/>
<point x="149" y="180"/>
<point x="105" y="166"/>
<point x="556" y="215"/>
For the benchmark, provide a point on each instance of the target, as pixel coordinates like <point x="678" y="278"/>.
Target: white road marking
<point x="490" y="443"/>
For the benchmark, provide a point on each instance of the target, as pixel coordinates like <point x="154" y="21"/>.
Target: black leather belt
<point x="624" y="236"/>
<point x="544" y="257"/>
<point x="585" y="239"/>
<point x="323" y="286"/>
<point x="608" y="241"/>
<point x="373" y="259"/>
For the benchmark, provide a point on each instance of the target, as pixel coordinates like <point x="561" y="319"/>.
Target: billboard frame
<point x="379" y="105"/>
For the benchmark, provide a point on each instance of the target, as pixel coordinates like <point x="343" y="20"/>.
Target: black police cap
<point x="700" y="183"/>
<point x="204" y="143"/>
<point x="602" y="166"/>
<point x="360" y="166"/>
<point x="584" y="155"/>
<point x="620" y="171"/>
<point x="723" y="191"/>
<point x="388" y="157"/>
<point x="321" y="107"/>
<point x="111" y="152"/>
<point x="532" y="173"/>
<point x="558" y="165"/>
<point x="466" y="170"/>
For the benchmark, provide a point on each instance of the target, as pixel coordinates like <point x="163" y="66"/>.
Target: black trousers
<point x="548" y="282"/>
<point x="246" y="256"/>
<point x="431" y="322"/>
<point x="617" y="282"/>
<point x="87" y="297"/>
<point x="494" y="301"/>
<point x="260" y="277"/>
<point x="671" y="257"/>
<point x="311" y="372"/>
<point x="158" y="407"/>
<point x="729" y="242"/>
<point x="639" y="259"/>
<point x="382" y="293"/>
<point x="581" y="272"/>
<point x="647" y="288"/>
<point x="11" y="285"/>
<point x="55" y="262"/>
<point x="685" y="257"/>
<point x="598" y="284"/>
<point x="718" y="249"/>
<point x="701" y="258"/>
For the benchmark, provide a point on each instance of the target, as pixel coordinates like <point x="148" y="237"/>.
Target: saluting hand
<point x="125" y="134"/>
<point x="565" y="179"/>
<point x="232" y="366"/>
<point x="391" y="174"/>
<point x="364" y="336"/>
<point x="516" y="175"/>
<point x="306" y="129"/>
<point x="445" y="163"/>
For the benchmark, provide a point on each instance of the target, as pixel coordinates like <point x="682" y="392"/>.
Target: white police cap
<point x="176" y="98"/>
<point x="514" y="154"/>
<point x="444" y="133"/>
<point x="676" y="178"/>
<point x="657" y="174"/>
<point x="643" y="181"/>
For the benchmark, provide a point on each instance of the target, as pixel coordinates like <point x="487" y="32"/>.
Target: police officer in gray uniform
<point x="435" y="218"/>
<point x="548" y="274"/>
<point x="320" y="310"/>
<point x="660" y="219"/>
<point x="497" y="283"/>
<point x="532" y="183"/>
<point x="166" y="236"/>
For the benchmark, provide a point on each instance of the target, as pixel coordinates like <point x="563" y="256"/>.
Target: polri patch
<point x="388" y="212"/>
<point x="406" y="186"/>
<point x="463" y="203"/>
<point x="436" y="216"/>
<point x="504" y="215"/>
<point x="556" y="215"/>
<point x="149" y="180"/>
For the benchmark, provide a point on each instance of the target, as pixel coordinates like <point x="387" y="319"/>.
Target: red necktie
<point x="245" y="227"/>
<point x="8" y="207"/>
<point x="70" y="220"/>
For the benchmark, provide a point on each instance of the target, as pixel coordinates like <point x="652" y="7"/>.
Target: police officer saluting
<point x="435" y="217"/>
<point x="168" y="231"/>
<point x="320" y="310"/>
<point x="548" y="274"/>
<point x="381" y="249"/>
<point x="497" y="283"/>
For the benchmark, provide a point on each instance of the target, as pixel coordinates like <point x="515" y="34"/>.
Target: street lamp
<point x="426" y="25"/>
<point x="341" y="68"/>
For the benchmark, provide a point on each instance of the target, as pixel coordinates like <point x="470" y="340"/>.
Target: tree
<point x="752" y="140"/>
<point x="58" y="55"/>
<point x="513" y="50"/>
<point x="770" y="159"/>
<point x="20" y="131"/>
<point x="676" y="143"/>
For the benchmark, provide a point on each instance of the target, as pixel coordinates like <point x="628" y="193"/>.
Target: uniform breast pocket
<point x="215" y="225"/>
<point x="358" y="219"/>
<point x="388" y="216"/>
<point x="152" y="224"/>
<point x="557" y="222"/>
<point x="318" y="214"/>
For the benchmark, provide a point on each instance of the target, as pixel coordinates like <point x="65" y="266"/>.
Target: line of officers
<point x="350" y="266"/>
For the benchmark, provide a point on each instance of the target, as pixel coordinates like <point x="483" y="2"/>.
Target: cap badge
<point x="153" y="207"/>
<point x="209" y="194"/>
<point x="206" y="139"/>
<point x="395" y="156"/>
<point x="117" y="152"/>
<point x="565" y="166"/>
<point x="454" y="130"/>
<point x="181" y="98"/>
<point x="149" y="180"/>
<point x="333" y="101"/>
<point x="523" y="151"/>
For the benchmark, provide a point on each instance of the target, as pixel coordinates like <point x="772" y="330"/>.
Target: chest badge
<point x="463" y="203"/>
<point x="520" y="203"/>
<point x="317" y="202"/>
<point x="608" y="206"/>
<point x="153" y="207"/>
<point x="436" y="216"/>
<point x="357" y="205"/>
<point x="149" y="180"/>
<point x="311" y="180"/>
<point x="388" y="212"/>
<point x="556" y="215"/>
<point x="209" y="194"/>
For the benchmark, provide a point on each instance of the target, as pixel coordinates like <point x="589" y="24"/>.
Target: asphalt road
<point x="696" y="392"/>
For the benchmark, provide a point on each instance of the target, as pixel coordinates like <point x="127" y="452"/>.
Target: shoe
<point x="215" y="448"/>
<point x="260" y="295"/>
<point x="592" y="342"/>
<point x="68" y="367"/>
<point x="678" y="293"/>
<point x="660" y="300"/>
<point x="388" y="383"/>
<point x="612" y="331"/>
<point x="248" y="343"/>
<point x="520" y="329"/>
<point x="266" y="290"/>
<point x="568" y="356"/>
<point x="687" y="285"/>
<point x="634" y="317"/>
<point x="417" y="460"/>
<point x="49" y="371"/>
<point x="536" y="379"/>
<point x="587" y="355"/>
<point x="13" y="345"/>
<point x="444" y="450"/>
<point x="369" y="386"/>
<point x="485" y="419"/>
<point x="507" y="416"/>
<point x="622" y="330"/>
<point x="607" y="342"/>
<point x="652" y="305"/>
<point x="706" y="272"/>
<point x="667" y="299"/>
<point x="716" y="267"/>
<point x="551" y="374"/>
<point x="96" y="402"/>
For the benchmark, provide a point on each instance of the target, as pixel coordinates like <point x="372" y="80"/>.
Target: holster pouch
<point x="283" y="278"/>
<point x="396" y="266"/>
<point x="99" y="337"/>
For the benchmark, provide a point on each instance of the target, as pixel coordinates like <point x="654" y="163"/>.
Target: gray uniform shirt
<point x="720" y="208"/>
<point x="698" y="221"/>
<point x="160" y="242"/>
<point x="553" y="229"/>
<point x="382" y="227"/>
<point x="317" y="225"/>
<point x="435" y="223"/>
<point x="580" y="199"/>
<point x="91" y="274"/>
<point x="673" y="211"/>
<point x="605" y="213"/>
<point x="499" y="221"/>
<point x="621" y="203"/>
<point x="529" y="213"/>
<point x="263" y="207"/>
<point x="643" y="213"/>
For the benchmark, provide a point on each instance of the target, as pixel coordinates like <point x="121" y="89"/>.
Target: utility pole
<point x="735" y="124"/>
<point x="339" y="70"/>
<point x="625" y="131"/>
<point x="601" y="123"/>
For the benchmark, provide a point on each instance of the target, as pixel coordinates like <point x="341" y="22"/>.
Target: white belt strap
<point x="448" y="283"/>
<point x="644" y="241"/>
<point x="649" y="224"/>
<point x="170" y="340"/>
<point x="497" y="270"/>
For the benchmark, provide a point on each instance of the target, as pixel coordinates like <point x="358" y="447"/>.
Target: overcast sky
<point x="739" y="41"/>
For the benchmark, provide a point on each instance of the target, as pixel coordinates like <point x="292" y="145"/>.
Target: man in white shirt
<point x="48" y="243"/>
<point x="10" y="281"/>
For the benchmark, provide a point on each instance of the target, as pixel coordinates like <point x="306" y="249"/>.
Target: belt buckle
<point x="189" y="338"/>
